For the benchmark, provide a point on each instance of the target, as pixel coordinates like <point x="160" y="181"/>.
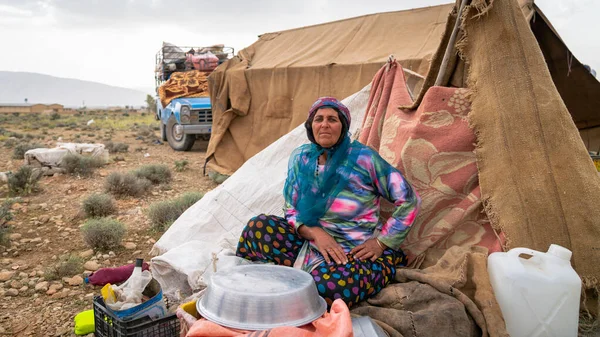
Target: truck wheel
<point x="178" y="140"/>
<point x="163" y="131"/>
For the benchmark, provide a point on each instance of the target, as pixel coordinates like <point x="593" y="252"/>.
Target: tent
<point x="265" y="91"/>
<point x="538" y="183"/>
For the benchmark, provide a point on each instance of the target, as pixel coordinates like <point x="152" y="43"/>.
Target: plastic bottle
<point x="538" y="296"/>
<point x="112" y="275"/>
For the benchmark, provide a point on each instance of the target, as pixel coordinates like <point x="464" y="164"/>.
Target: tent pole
<point x="451" y="47"/>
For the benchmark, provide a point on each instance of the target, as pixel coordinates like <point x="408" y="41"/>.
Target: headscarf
<point x="315" y="194"/>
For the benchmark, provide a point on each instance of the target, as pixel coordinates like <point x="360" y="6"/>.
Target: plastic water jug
<point x="539" y="295"/>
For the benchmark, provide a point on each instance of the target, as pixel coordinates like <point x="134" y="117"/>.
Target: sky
<point x="115" y="41"/>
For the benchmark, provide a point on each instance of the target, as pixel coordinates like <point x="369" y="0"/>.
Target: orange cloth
<point x="183" y="84"/>
<point x="336" y="323"/>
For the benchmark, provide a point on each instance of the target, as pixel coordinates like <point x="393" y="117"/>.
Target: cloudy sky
<point x="114" y="41"/>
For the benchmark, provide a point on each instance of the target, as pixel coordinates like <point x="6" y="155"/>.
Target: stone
<point x="56" y="286"/>
<point x="23" y="289"/>
<point x="36" y="240"/>
<point x="15" y="236"/>
<point x="44" y="219"/>
<point x="6" y="275"/>
<point x="137" y="253"/>
<point x="86" y="254"/>
<point x="41" y="287"/>
<point x="90" y="295"/>
<point x="11" y="292"/>
<point x="91" y="265"/>
<point x="16" y="284"/>
<point x="60" y="295"/>
<point x="16" y="206"/>
<point x="111" y="254"/>
<point x="23" y="275"/>
<point x="129" y="245"/>
<point x="75" y="280"/>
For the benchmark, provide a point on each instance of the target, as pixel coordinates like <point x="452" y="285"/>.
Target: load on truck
<point x="182" y="104"/>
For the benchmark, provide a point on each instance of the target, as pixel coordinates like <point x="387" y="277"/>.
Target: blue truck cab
<point x="186" y="119"/>
<point x="183" y="120"/>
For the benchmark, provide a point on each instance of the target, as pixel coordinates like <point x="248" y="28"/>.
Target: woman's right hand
<point x="326" y="244"/>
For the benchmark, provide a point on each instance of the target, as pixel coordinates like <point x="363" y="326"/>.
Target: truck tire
<point x="176" y="138"/>
<point x="163" y="131"/>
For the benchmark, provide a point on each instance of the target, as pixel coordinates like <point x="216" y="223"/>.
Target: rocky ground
<point x="46" y="224"/>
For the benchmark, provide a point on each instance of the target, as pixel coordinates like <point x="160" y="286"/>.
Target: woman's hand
<point x="325" y="243"/>
<point x="370" y="249"/>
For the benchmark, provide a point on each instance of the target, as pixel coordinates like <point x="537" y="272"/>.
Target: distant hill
<point x="39" y="88"/>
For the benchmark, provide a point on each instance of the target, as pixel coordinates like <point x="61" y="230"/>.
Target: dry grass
<point x="99" y="205"/>
<point x="155" y="173"/>
<point x="163" y="213"/>
<point x="126" y="185"/>
<point x="70" y="266"/>
<point x="81" y="165"/>
<point x="103" y="233"/>
<point x="24" y="181"/>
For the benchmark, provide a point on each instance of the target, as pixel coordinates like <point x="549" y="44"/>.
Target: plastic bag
<point x="128" y="294"/>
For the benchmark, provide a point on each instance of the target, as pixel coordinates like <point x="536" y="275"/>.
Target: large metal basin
<point x="259" y="297"/>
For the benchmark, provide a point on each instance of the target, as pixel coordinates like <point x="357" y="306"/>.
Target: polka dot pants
<point x="271" y="239"/>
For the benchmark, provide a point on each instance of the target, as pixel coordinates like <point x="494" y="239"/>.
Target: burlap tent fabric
<point x="450" y="296"/>
<point x="265" y="91"/>
<point x="537" y="180"/>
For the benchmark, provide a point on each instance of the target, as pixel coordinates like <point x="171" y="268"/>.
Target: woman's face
<point x="327" y="127"/>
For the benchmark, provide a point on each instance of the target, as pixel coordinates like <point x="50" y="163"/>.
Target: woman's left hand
<point x="370" y="249"/>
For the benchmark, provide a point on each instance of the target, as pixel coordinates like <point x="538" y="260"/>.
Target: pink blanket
<point x="433" y="147"/>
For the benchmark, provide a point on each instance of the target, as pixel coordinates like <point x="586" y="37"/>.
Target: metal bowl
<point x="261" y="296"/>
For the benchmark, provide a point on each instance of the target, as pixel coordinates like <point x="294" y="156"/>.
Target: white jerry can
<point x="538" y="296"/>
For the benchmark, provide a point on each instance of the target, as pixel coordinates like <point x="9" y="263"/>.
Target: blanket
<point x="433" y="146"/>
<point x="183" y="84"/>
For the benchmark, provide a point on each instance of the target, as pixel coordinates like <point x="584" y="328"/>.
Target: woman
<point x="332" y="196"/>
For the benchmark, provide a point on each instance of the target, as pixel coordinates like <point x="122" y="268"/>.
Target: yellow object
<point x="108" y="294"/>
<point x="597" y="163"/>
<point x="190" y="308"/>
<point x="84" y="322"/>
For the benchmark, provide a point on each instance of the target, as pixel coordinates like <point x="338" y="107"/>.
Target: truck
<point x="185" y="119"/>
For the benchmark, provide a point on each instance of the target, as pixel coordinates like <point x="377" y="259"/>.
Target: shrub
<point x="123" y="185"/>
<point x="163" y="213"/>
<point x="103" y="233"/>
<point x="81" y="165"/>
<point x="180" y="165"/>
<point x="116" y="147"/>
<point x="5" y="217"/>
<point x="19" y="151"/>
<point x="54" y="116"/>
<point x="145" y="131"/>
<point x="24" y="181"/>
<point x="99" y="205"/>
<point x="217" y="177"/>
<point x="156" y="174"/>
<point x="68" y="267"/>
<point x="10" y="142"/>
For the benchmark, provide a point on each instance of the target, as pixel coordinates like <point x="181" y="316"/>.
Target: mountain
<point x="40" y="88"/>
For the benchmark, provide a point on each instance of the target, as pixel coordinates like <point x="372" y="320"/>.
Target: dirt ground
<point x="46" y="224"/>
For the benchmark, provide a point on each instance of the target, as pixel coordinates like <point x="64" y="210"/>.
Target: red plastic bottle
<point x="112" y="275"/>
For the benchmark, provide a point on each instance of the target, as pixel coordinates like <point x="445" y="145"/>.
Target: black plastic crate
<point x="108" y="325"/>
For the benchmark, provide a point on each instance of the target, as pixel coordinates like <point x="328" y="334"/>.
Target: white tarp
<point x="213" y="225"/>
<point x="53" y="157"/>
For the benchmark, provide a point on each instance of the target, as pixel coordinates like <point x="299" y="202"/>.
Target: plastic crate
<point x="108" y="325"/>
